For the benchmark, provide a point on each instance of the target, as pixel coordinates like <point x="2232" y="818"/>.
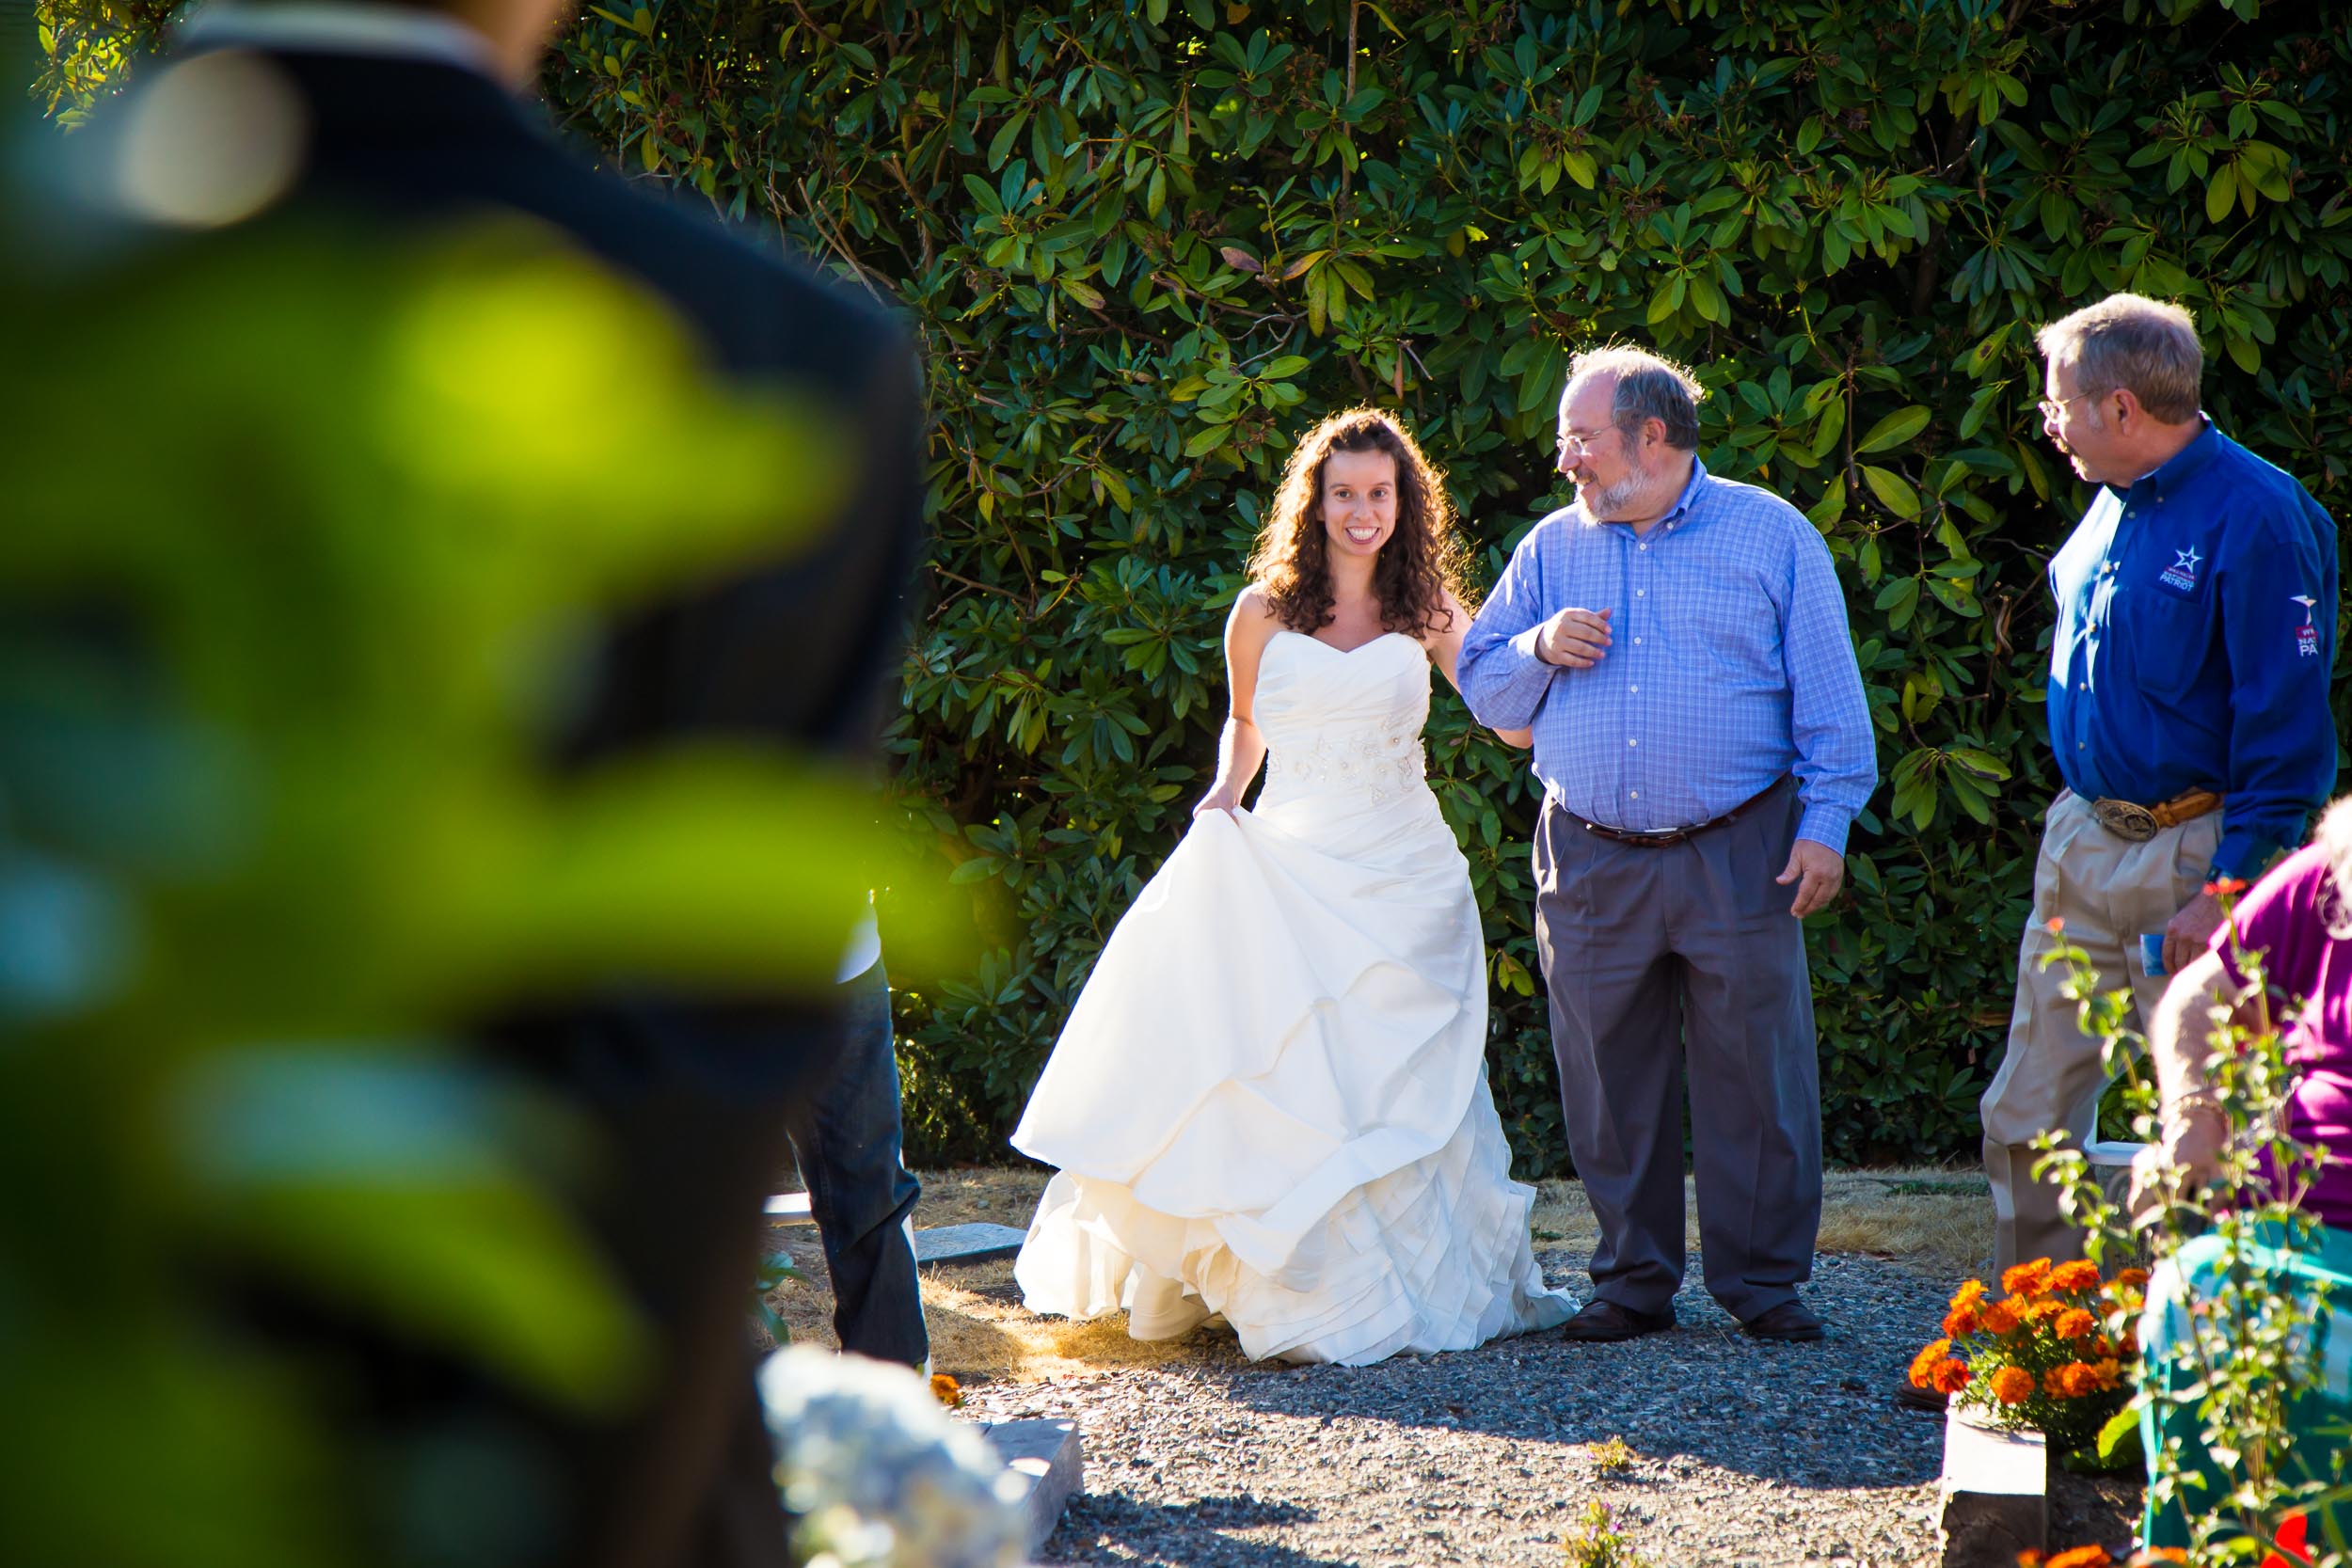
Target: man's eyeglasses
<point x="1580" y="441"/>
<point x="2052" y="407"/>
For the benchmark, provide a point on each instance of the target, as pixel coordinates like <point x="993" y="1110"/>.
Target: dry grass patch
<point x="1937" y="1221"/>
<point x="1006" y="1197"/>
<point x="979" y="1328"/>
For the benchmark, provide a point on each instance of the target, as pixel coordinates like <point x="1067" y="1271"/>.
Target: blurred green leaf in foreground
<point x="305" y="551"/>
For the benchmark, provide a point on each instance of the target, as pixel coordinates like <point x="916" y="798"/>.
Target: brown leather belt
<point x="2138" y="823"/>
<point x="1675" y="836"/>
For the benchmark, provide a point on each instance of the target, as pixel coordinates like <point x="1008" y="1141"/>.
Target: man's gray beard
<point x="1612" y="501"/>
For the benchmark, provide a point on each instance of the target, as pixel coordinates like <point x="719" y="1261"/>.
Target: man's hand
<point x="2187" y="933"/>
<point x="1574" y="639"/>
<point x="1818" y="872"/>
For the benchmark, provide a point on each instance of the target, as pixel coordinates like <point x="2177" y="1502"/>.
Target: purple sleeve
<point x="2278" y="918"/>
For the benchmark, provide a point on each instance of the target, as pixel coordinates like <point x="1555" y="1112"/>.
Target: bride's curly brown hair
<point x="1417" y="567"/>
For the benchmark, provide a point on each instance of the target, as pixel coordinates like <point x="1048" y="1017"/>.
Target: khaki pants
<point x="2109" y="892"/>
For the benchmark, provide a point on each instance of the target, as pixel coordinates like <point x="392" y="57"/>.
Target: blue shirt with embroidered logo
<point x="2195" y="630"/>
<point x="1730" y="664"/>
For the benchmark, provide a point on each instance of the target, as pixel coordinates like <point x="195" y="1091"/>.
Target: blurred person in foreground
<point x="2298" y="922"/>
<point x="401" y="121"/>
<point x="2187" y="709"/>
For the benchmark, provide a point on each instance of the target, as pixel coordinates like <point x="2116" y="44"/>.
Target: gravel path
<point x="1742" y="1453"/>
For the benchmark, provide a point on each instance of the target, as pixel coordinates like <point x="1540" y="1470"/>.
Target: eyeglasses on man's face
<point x="2053" y="407"/>
<point x="1580" y="441"/>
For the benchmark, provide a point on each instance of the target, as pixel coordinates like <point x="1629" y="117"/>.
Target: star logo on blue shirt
<point x="2182" y="574"/>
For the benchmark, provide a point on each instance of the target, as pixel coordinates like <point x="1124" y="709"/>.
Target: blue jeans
<point x="2315" y="1419"/>
<point x="848" y="1143"/>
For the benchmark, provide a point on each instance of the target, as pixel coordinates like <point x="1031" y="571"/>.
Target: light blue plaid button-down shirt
<point x="1730" y="664"/>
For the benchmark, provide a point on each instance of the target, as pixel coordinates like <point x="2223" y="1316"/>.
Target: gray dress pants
<point x="1659" y="957"/>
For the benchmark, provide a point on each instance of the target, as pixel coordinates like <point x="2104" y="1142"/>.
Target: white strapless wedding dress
<point x="1270" y="1101"/>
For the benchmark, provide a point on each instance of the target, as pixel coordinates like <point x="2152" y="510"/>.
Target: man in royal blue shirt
<point x="2188" y="706"/>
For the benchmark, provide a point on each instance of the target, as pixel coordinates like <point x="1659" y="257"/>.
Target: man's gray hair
<point x="1648" y="388"/>
<point x="2141" y="345"/>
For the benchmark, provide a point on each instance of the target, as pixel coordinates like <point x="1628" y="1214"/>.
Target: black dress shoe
<point x="1911" y="1397"/>
<point x="1790" y="1320"/>
<point x="1603" y="1323"/>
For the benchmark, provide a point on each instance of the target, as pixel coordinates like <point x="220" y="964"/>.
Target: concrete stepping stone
<point x="1048" y="1455"/>
<point x="1995" y="1495"/>
<point x="967" y="1243"/>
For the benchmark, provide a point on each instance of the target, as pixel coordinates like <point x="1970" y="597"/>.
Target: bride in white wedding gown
<point x="1270" y="1101"/>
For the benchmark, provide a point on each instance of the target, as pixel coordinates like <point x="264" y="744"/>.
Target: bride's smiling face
<point x="1358" y="501"/>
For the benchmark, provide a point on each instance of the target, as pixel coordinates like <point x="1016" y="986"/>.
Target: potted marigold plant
<point x="2049" y="1355"/>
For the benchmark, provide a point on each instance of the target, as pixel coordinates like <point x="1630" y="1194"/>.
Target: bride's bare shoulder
<point x="1253" y="614"/>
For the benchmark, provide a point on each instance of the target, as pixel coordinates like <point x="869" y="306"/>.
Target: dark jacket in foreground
<point x="690" y="1094"/>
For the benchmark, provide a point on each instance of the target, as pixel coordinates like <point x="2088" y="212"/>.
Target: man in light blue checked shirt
<point x="1678" y="644"/>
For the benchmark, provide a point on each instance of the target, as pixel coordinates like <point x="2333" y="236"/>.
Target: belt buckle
<point x="2126" y="819"/>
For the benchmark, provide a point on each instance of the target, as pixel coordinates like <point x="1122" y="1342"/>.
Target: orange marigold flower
<point x="2013" y="1385"/>
<point x="1949" y="1377"/>
<point x="2130" y="1343"/>
<point x="2071" y="1381"/>
<point x="1961" y="1321"/>
<point x="2024" y="1279"/>
<point x="1924" y="1363"/>
<point x="2043" y="1309"/>
<point x="2075" y="1323"/>
<point x="2131" y="1279"/>
<point x="947" y="1390"/>
<point x="2092" y="1555"/>
<point x="2149" y="1556"/>
<point x="2076" y="1276"/>
<point x="1999" y="1318"/>
<point x="1969" y="1295"/>
<point x="2110" y="1373"/>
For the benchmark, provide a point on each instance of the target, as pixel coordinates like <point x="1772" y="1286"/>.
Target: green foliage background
<point x="1147" y="242"/>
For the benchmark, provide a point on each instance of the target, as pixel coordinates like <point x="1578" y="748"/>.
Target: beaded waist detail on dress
<point x="1383" y="762"/>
